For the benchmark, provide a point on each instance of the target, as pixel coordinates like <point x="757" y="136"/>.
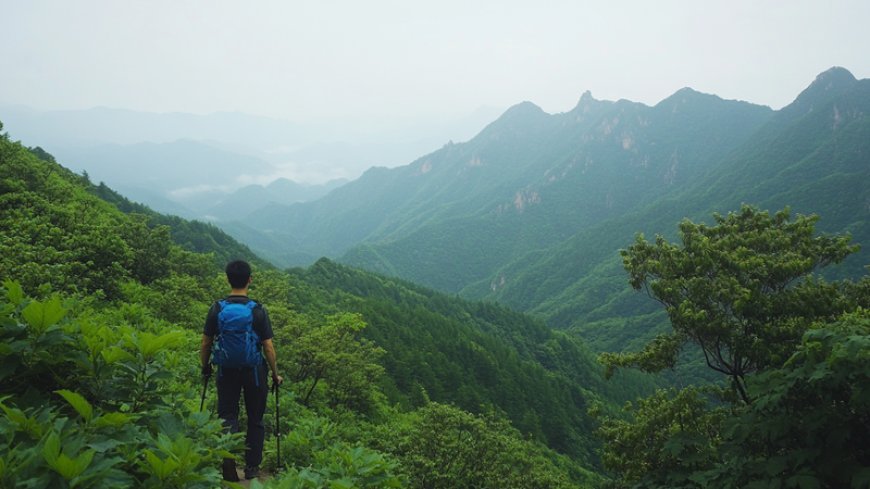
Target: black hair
<point x="238" y="273"/>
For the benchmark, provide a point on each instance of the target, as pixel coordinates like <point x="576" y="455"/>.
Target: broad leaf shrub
<point x="88" y="405"/>
<point x="341" y="466"/>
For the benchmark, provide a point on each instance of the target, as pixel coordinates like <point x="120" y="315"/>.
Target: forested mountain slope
<point x="527" y="180"/>
<point x="475" y="355"/>
<point x="813" y="156"/>
<point x="372" y="362"/>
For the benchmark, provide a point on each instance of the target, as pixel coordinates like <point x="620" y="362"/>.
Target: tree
<point x="672" y="435"/>
<point x="336" y="354"/>
<point x="810" y="422"/>
<point x="740" y="290"/>
<point x="807" y="427"/>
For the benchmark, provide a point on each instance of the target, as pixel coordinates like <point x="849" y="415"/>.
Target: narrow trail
<point x="263" y="478"/>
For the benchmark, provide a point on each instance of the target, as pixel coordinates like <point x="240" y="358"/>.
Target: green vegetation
<point x="528" y="182"/>
<point x="101" y="317"/>
<point x="794" y="348"/>
<point x="88" y="401"/>
<point x="190" y="235"/>
<point x="390" y="384"/>
<point x="477" y="356"/>
<point x="733" y="289"/>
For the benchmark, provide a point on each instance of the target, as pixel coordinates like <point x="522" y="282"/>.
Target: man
<point x="231" y="382"/>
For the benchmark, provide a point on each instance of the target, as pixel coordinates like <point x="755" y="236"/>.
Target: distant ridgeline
<point x="533" y="210"/>
<point x="101" y="316"/>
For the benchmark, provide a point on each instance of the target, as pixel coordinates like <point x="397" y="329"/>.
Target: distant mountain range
<point x="529" y="178"/>
<point x="217" y="166"/>
<point x="533" y="210"/>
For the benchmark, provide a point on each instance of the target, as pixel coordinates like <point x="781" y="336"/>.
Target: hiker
<point x="242" y="361"/>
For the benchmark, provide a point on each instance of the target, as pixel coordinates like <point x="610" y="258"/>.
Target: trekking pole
<point x="278" y="427"/>
<point x="205" y="380"/>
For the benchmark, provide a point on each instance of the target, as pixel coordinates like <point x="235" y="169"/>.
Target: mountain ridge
<point x="807" y="162"/>
<point x="500" y="171"/>
<point x="547" y="188"/>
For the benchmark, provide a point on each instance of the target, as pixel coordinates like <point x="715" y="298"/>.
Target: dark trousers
<point x="231" y="383"/>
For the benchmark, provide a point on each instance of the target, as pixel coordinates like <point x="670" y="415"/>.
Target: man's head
<point x="238" y="274"/>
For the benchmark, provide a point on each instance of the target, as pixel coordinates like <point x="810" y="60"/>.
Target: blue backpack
<point x="237" y="344"/>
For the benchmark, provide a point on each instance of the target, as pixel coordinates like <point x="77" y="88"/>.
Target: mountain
<point x="251" y="198"/>
<point x="184" y="168"/>
<point x="533" y="210"/>
<point x="476" y="354"/>
<point x="190" y="178"/>
<point x="190" y="165"/>
<point x="527" y="180"/>
<point x="813" y="156"/>
<point x="602" y="161"/>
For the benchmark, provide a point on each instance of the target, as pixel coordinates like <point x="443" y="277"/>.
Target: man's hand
<point x="206" y="371"/>
<point x="277" y="379"/>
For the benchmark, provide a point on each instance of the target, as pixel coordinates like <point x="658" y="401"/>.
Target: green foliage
<point x="669" y="437"/>
<point x="476" y="356"/>
<point x="336" y="354"/>
<point x="440" y="446"/>
<point x="736" y="289"/>
<point x="810" y="423"/>
<point x="659" y="354"/>
<point x="83" y="404"/>
<point x="56" y="233"/>
<point x="193" y="236"/>
<point x="34" y="348"/>
<point x="807" y="426"/>
<point x="341" y="467"/>
<point x="801" y="418"/>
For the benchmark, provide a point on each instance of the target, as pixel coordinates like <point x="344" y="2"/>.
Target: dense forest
<point x="394" y="385"/>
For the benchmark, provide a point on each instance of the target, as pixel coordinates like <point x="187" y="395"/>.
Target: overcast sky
<point x="397" y="60"/>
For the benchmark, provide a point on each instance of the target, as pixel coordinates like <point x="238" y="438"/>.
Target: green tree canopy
<point x="741" y="290"/>
<point x="810" y="422"/>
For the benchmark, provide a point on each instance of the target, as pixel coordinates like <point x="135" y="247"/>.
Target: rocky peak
<point x="588" y="106"/>
<point x="827" y="84"/>
<point x="523" y="109"/>
<point x="684" y="96"/>
<point x="517" y="118"/>
<point x="586" y="99"/>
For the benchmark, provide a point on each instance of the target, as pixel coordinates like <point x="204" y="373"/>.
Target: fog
<point x="392" y="61"/>
<point x="403" y="76"/>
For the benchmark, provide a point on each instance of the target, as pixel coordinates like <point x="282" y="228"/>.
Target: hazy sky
<point x="404" y="60"/>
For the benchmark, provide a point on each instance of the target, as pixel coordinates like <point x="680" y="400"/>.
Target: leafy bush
<point x="87" y="405"/>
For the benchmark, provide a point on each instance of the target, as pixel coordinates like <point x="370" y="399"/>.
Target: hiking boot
<point x="252" y="472"/>
<point x="229" y="470"/>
